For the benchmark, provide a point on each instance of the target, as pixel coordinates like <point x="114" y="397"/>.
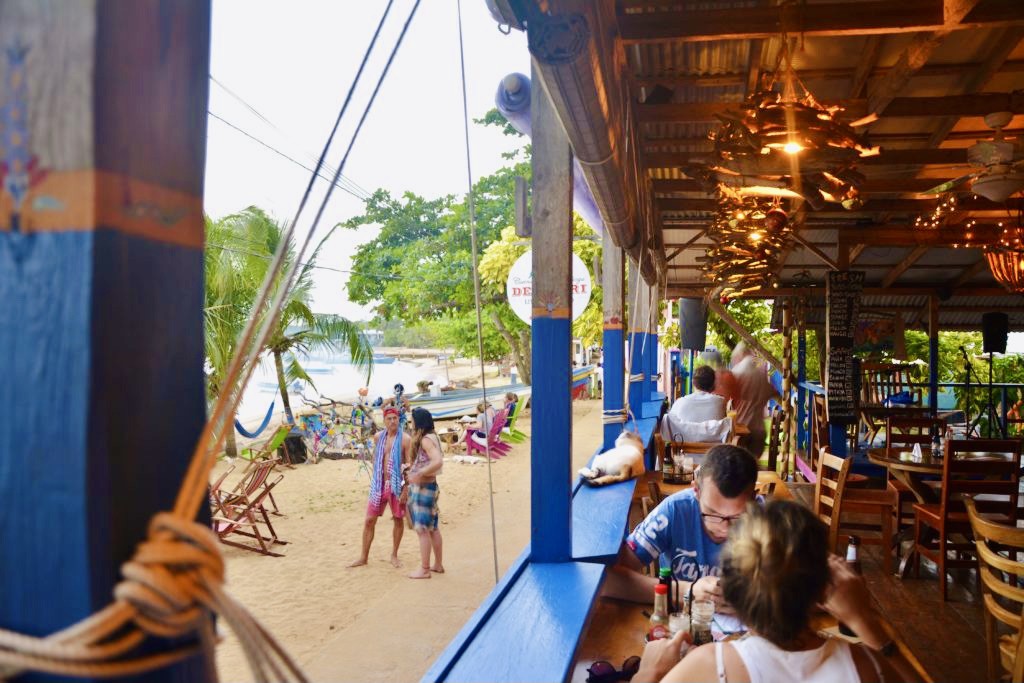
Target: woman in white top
<point x="776" y="569"/>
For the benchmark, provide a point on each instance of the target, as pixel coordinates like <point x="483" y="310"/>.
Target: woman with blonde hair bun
<point x="776" y="570"/>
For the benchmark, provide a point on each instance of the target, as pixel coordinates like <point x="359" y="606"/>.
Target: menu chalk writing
<point x="842" y="295"/>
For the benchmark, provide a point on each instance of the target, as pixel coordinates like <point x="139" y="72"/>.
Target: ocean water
<point x="335" y="378"/>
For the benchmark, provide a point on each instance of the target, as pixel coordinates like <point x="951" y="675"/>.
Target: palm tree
<point x="229" y="294"/>
<point x="298" y="330"/>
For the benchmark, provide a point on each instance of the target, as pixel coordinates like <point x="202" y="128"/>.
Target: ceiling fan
<point x="1000" y="160"/>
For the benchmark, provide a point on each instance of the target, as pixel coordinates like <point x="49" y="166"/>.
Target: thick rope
<point x="174" y="583"/>
<point x="476" y="289"/>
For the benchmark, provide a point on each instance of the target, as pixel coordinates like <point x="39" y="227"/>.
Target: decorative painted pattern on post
<point x="102" y="154"/>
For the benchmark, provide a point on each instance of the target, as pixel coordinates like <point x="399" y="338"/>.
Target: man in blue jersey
<point x="686" y="531"/>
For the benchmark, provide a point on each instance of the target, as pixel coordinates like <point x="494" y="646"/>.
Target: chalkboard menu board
<point x="842" y="297"/>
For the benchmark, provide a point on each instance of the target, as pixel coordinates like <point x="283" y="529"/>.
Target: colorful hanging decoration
<point x="749" y="238"/>
<point x="1006" y="258"/>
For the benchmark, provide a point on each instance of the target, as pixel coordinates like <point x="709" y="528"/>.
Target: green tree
<point x="229" y="292"/>
<point x="299" y="330"/>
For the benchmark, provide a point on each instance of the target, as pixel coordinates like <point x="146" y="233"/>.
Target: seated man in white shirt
<point x="701" y="405"/>
<point x="697" y="416"/>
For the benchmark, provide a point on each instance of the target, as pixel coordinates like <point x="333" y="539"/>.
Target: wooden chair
<point x="494" y="442"/>
<point x="878" y="383"/>
<point x="828" y="492"/>
<point x="646" y="505"/>
<point x="244" y="517"/>
<point x="879" y="503"/>
<point x="513" y="435"/>
<point x="904" y="432"/>
<point x="269" y="448"/>
<point x="993" y="480"/>
<point x="253" y="480"/>
<point x="1001" y="584"/>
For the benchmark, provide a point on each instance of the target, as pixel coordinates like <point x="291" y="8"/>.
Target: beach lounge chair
<point x="269" y="447"/>
<point x="513" y="435"/>
<point x="253" y="481"/>
<point x="243" y="516"/>
<point x="494" y="444"/>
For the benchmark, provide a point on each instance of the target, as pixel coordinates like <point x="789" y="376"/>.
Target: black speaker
<point x="693" y="324"/>
<point x="994" y="329"/>
<point x="294" y="450"/>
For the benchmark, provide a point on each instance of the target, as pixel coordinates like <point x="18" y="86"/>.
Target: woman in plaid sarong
<point x="425" y="456"/>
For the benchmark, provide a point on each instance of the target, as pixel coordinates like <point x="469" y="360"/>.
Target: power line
<point x="354" y="193"/>
<point x="330" y="169"/>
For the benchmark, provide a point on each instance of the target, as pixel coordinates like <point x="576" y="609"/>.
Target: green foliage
<point x="496" y="118"/>
<point x="240" y="248"/>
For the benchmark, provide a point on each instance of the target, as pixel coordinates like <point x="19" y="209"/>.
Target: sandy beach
<point x="372" y="623"/>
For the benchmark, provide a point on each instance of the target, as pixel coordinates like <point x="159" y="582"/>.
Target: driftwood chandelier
<point x="1006" y="257"/>
<point x="779" y="144"/>
<point x="749" y="237"/>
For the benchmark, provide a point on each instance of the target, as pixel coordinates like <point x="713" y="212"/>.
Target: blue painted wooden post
<point x="551" y="444"/>
<point x="637" y="335"/>
<point x="652" y="348"/>
<point x="103" y="136"/>
<point x="689" y="375"/>
<point x="933" y="354"/>
<point x="675" y="361"/>
<point x="801" y="378"/>
<point x="614" y="360"/>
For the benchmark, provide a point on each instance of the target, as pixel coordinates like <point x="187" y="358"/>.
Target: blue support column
<point x="614" y="380"/>
<point x="676" y="370"/>
<point x="651" y="364"/>
<point x="801" y="393"/>
<point x="551" y="444"/>
<point x="689" y="376"/>
<point x="837" y="439"/>
<point x="636" y="367"/>
<point x="101" y="296"/>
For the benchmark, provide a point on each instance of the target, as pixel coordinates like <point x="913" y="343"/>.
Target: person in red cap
<point x="386" y="485"/>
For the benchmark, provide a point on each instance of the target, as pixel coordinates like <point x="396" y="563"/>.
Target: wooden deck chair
<point x="513" y="435"/>
<point x="268" y="449"/>
<point x="1002" y="579"/>
<point x="243" y="517"/>
<point x="253" y="480"/>
<point x="494" y="442"/>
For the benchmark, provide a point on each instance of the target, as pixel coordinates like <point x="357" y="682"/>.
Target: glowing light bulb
<point x="755" y="236"/>
<point x="792" y="148"/>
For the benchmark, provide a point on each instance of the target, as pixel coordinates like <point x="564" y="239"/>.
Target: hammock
<point x="259" y="430"/>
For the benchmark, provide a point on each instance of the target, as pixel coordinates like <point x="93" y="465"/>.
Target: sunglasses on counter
<point x="603" y="672"/>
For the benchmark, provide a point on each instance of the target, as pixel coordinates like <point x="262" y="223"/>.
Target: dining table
<point x="915" y="473"/>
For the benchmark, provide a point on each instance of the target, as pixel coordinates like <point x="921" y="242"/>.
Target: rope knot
<point x="169" y="579"/>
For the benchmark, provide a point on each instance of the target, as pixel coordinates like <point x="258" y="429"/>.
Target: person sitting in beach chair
<point x="386" y="485"/>
<point x="478" y="431"/>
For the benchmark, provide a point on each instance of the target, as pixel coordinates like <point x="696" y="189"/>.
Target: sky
<point x="280" y="73"/>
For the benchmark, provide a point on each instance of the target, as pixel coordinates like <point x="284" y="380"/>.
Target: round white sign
<point x="519" y="287"/>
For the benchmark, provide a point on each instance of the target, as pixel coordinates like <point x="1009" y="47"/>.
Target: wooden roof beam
<point x="871" y="185"/>
<point x="968" y="273"/>
<point x="799" y="239"/>
<point x="781" y="166"/>
<point x="978" y="104"/>
<point x="827" y="19"/>
<point x="916" y="55"/>
<point x="677" y="289"/>
<point x="902" y="266"/>
<point x="841" y="73"/>
<point x="871" y="206"/>
<point x="909" y="236"/>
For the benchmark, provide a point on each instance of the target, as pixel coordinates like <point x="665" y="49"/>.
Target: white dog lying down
<point x="623" y="462"/>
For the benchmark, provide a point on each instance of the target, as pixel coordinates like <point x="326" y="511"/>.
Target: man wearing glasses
<point x="687" y="530"/>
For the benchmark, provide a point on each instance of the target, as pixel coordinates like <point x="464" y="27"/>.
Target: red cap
<point x="391" y="410"/>
<point x="661" y="589"/>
